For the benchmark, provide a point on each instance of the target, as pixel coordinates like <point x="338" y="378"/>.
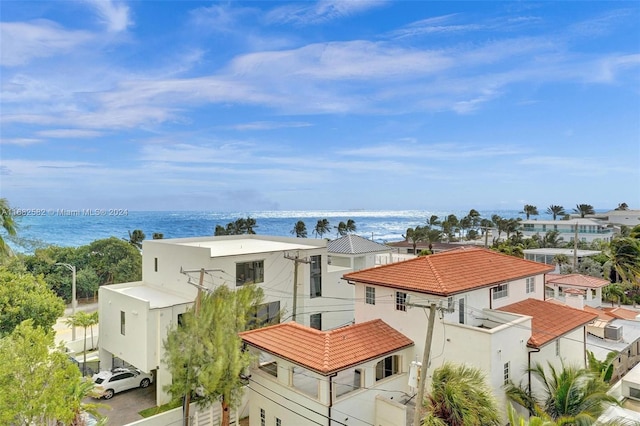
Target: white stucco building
<point x="589" y="230"/>
<point x="135" y="317"/>
<point x="493" y="314"/>
<point x="354" y="375"/>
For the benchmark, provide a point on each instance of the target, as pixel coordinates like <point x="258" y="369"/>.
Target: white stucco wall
<point x="280" y="400"/>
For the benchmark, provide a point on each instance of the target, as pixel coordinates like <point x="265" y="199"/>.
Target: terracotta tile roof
<point x="450" y="272"/>
<point x="550" y="320"/>
<point x="576" y="280"/>
<point x="603" y="315"/>
<point x="622" y="313"/>
<point x="327" y="352"/>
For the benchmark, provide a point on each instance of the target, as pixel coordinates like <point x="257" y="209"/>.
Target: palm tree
<point x="342" y="229"/>
<point x="136" y="237"/>
<point x="622" y="206"/>
<point x="551" y="239"/>
<point x="433" y="222"/>
<point x="299" y="229"/>
<point x="614" y="293"/>
<point x="623" y="260"/>
<point x="322" y="227"/>
<point x="560" y="259"/>
<point x="158" y="235"/>
<point x="530" y="210"/>
<point x="584" y="209"/>
<point x="85" y="320"/>
<point x="8" y="224"/>
<point x="555" y="211"/>
<point x="570" y="395"/>
<point x="511" y="226"/>
<point x="351" y="225"/>
<point x="415" y="236"/>
<point x="459" y="396"/>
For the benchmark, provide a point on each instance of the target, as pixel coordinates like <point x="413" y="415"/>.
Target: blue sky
<point x="168" y="105"/>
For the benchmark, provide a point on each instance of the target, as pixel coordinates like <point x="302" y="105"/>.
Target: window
<point x="531" y="285"/>
<point x="278" y="422"/>
<point x="634" y="393"/>
<point x="315" y="321"/>
<point x="155" y="264"/>
<point x="263" y="417"/>
<point x="500" y="291"/>
<point x="316" y="276"/>
<point x="558" y="347"/>
<point x="549" y="292"/>
<point x="122" y="323"/>
<point x="250" y="272"/>
<point x="347" y="381"/>
<point x="461" y="311"/>
<point x="180" y="320"/>
<point x="451" y="304"/>
<point x="388" y="367"/>
<point x="268" y="364"/>
<point x="370" y="295"/>
<point x="506" y="373"/>
<point x="401" y="301"/>
<point x="266" y="314"/>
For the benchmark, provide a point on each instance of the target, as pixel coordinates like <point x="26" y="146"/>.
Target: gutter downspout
<point x="534" y="350"/>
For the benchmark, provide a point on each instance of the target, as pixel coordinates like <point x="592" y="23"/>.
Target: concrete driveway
<point x="123" y="408"/>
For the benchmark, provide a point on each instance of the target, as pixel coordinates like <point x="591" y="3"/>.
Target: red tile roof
<point x="327" y="352"/>
<point x="603" y="315"/>
<point x="450" y="272"/>
<point x="622" y="313"/>
<point x="576" y="280"/>
<point x="550" y="320"/>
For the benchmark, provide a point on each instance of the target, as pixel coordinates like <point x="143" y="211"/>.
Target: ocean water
<point x="76" y="228"/>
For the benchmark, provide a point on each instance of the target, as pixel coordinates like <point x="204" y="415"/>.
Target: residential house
<point x="629" y="218"/>
<point x="135" y="317"/>
<point x="354" y="375"/>
<point x="589" y="230"/>
<point x="355" y="252"/>
<point x="548" y="255"/>
<point x="406" y="246"/>
<point x="556" y="285"/>
<point x="491" y="311"/>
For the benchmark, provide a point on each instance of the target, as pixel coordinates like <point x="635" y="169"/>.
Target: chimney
<point x="575" y="299"/>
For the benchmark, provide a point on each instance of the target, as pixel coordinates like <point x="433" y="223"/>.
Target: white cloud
<point x="23" y="42"/>
<point x="270" y="125"/>
<point x="69" y="133"/>
<point x="320" y="11"/>
<point x="20" y="141"/>
<point x="114" y="15"/>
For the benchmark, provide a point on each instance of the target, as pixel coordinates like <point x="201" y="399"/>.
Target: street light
<point x="72" y="268"/>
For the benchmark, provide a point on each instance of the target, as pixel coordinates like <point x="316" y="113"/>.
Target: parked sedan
<point x="108" y="383"/>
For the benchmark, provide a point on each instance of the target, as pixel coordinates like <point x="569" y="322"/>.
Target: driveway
<point x="123" y="408"/>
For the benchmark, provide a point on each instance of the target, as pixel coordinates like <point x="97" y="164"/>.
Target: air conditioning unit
<point x="613" y="332"/>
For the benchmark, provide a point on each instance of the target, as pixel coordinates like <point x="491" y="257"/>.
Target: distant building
<point x="547" y="255"/>
<point x="135" y="317"/>
<point x="589" y="230"/>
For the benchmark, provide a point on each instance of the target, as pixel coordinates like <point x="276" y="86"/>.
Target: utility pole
<point x="296" y="259"/>
<point x="425" y="363"/>
<point x="196" y="310"/>
<point x="575" y="249"/>
<point x="74" y="301"/>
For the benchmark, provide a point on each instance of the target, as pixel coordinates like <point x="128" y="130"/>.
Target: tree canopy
<point x="575" y="396"/>
<point x="299" y="229"/>
<point x="23" y="297"/>
<point x="40" y="385"/>
<point x="8" y="224"/>
<point x="204" y="354"/>
<point x="459" y="396"/>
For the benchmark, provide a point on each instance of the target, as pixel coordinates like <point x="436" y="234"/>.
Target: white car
<point x="108" y="383"/>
